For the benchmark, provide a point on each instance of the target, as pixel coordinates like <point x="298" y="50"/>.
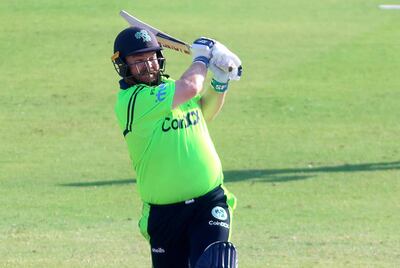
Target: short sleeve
<point x="141" y="104"/>
<point x="154" y="102"/>
<point x="148" y="104"/>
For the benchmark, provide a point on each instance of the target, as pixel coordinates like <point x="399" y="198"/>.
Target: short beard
<point x="131" y="80"/>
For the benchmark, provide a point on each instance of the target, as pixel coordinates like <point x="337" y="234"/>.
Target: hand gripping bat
<point x="164" y="39"/>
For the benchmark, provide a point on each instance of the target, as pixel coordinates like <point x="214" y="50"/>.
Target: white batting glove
<point x="201" y="50"/>
<point x="226" y="60"/>
<point x="220" y="78"/>
<point x="229" y="65"/>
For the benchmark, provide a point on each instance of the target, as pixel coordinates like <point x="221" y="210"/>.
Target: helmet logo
<point x="144" y="35"/>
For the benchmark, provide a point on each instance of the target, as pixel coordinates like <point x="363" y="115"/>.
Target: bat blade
<point x="164" y="39"/>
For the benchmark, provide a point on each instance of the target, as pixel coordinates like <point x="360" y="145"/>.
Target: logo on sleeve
<point x="219" y="213"/>
<point x="162" y="92"/>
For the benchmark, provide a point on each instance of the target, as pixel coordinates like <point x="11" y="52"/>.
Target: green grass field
<point x="309" y="138"/>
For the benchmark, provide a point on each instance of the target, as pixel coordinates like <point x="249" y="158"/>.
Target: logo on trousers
<point x="219" y="213"/>
<point x="157" y="250"/>
<point x="219" y="223"/>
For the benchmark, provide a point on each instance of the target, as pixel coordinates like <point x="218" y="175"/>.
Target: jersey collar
<point x="123" y="85"/>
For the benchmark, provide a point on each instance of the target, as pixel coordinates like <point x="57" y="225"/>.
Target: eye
<point x="136" y="63"/>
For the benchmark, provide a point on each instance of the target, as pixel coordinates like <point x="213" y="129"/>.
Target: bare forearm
<point x="190" y="83"/>
<point x="195" y="75"/>
<point x="211" y="103"/>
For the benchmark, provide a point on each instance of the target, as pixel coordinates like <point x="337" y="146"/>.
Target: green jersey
<point x="171" y="149"/>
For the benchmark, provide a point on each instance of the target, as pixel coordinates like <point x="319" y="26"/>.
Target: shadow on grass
<point x="283" y="175"/>
<point x="268" y="175"/>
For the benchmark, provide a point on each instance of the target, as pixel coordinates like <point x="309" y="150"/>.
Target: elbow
<point x="193" y="88"/>
<point x="186" y="89"/>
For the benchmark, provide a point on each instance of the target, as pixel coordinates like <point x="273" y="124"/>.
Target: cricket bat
<point x="164" y="39"/>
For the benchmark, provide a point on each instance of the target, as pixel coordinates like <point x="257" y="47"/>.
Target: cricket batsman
<point x="187" y="212"/>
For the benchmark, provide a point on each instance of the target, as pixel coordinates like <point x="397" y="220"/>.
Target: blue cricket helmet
<point x="135" y="40"/>
<point x="132" y="41"/>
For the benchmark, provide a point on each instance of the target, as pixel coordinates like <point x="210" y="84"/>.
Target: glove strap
<point x="219" y="86"/>
<point x="202" y="59"/>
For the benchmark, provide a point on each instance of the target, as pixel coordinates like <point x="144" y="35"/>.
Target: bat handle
<point x="230" y="69"/>
<point x="239" y="70"/>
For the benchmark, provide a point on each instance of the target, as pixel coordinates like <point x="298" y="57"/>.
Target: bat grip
<point x="239" y="70"/>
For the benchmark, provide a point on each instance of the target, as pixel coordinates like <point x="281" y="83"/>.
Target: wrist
<point x="202" y="59"/>
<point x="219" y="87"/>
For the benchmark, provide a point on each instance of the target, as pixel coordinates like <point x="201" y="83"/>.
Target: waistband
<point x="217" y="191"/>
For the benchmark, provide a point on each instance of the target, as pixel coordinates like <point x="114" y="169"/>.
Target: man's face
<point x="144" y="67"/>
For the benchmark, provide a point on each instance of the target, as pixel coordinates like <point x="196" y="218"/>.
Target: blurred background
<point x="309" y="138"/>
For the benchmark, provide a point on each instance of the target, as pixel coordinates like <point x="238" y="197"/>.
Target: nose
<point x="153" y="65"/>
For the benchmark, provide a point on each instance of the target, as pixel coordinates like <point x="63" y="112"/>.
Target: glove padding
<point x="226" y="65"/>
<point x="201" y="49"/>
<point x="220" y="80"/>
<point x="221" y="75"/>
<point x="226" y="60"/>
